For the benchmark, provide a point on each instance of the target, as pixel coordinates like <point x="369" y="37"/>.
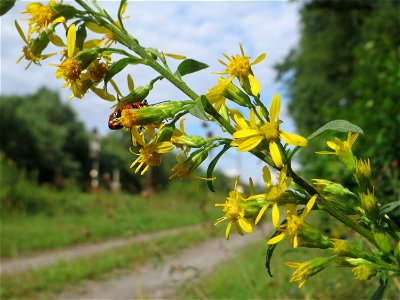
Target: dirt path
<point x="9" y="266"/>
<point x="157" y="282"/>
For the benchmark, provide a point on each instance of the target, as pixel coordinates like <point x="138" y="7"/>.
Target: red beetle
<point x="117" y="113"/>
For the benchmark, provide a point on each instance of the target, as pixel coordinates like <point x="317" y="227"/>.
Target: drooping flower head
<point x="343" y="150"/>
<point x="149" y="153"/>
<point x="307" y="269"/>
<point x="41" y="16"/>
<point x="249" y="137"/>
<point x="295" y="224"/>
<point x="239" y="66"/>
<point x="273" y="193"/>
<point x="235" y="212"/>
<point x="70" y="68"/>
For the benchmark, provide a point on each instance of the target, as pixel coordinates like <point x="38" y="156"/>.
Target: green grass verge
<point x="95" y="217"/>
<point x="45" y="282"/>
<point x="245" y="277"/>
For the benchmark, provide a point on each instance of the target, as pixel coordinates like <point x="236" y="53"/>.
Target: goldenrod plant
<point x="90" y="65"/>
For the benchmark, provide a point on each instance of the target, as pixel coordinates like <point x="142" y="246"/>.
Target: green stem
<point x="331" y="209"/>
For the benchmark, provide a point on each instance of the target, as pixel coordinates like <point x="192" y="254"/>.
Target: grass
<point x="245" y="277"/>
<point x="45" y="282"/>
<point x="93" y="217"/>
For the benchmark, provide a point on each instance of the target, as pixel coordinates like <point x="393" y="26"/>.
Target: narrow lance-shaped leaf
<point x="189" y="66"/>
<point x="212" y="165"/>
<point x="118" y="66"/>
<point x="336" y="125"/>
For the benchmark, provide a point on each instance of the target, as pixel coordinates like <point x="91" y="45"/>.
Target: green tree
<point x="347" y="66"/>
<point x="41" y="134"/>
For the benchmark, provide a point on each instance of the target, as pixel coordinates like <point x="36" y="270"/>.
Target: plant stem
<point x="331" y="209"/>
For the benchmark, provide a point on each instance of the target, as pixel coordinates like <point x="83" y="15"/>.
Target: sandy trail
<point x="20" y="264"/>
<point x="158" y="282"/>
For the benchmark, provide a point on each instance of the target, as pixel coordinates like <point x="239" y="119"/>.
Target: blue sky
<point x="202" y="30"/>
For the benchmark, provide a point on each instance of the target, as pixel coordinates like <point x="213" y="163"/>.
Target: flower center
<point x="150" y="156"/>
<point x="42" y="16"/>
<point x="270" y="130"/>
<point x="70" y="69"/>
<point x="97" y="71"/>
<point x="239" y="66"/>
<point x="294" y="224"/>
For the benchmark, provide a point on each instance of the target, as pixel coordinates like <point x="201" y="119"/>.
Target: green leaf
<point x="198" y="111"/>
<point x="190" y="66"/>
<point x="118" y="66"/>
<point x="212" y="165"/>
<point x="381" y="289"/>
<point x="336" y="125"/>
<point x="5" y="6"/>
<point x="389" y="207"/>
<point x="80" y="36"/>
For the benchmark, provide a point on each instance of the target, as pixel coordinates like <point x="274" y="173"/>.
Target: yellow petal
<point x="275" y="214"/>
<point x="249" y="144"/>
<point x="96" y="28"/>
<point x="275" y="154"/>
<point x="259" y="59"/>
<point x="262" y="211"/>
<point x="254" y="85"/>
<point x="331" y="145"/>
<point x="274" y="108"/>
<point x="21" y="33"/>
<point x="245" y="225"/>
<point x="240" y="120"/>
<point x="252" y="119"/>
<point x="282" y="175"/>
<point x="293" y="139"/>
<point x="131" y="84"/>
<point x="71" y="38"/>
<point x="92" y="43"/>
<point x="245" y="133"/>
<point x="56" y="40"/>
<point x="175" y="56"/>
<point x="309" y="205"/>
<point x="266" y="175"/>
<point x="276" y="239"/>
<point x="295" y="241"/>
<point x="228" y="229"/>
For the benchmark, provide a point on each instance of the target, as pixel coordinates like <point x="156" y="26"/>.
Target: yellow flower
<point x="149" y="153"/>
<point x="343" y="150"/>
<point x="294" y="223"/>
<point x="70" y="68"/>
<point x="307" y="269"/>
<point x="33" y="48"/>
<point x="234" y="212"/>
<point x="239" y="66"/>
<point x="41" y="16"/>
<point x="249" y="137"/>
<point x="273" y="193"/>
<point x="216" y="95"/>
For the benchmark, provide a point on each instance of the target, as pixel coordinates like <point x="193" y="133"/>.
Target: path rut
<point x="20" y="264"/>
<point x="158" y="282"/>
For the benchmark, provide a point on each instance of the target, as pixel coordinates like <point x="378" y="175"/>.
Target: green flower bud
<point x="370" y="205"/>
<point x="330" y="187"/>
<point x="311" y="237"/>
<point x="383" y="242"/>
<point x="151" y="115"/>
<point x="233" y="93"/>
<point x="344" y="248"/>
<point x="363" y="174"/>
<point x="185" y="168"/>
<point x="195" y="141"/>
<point x="164" y="133"/>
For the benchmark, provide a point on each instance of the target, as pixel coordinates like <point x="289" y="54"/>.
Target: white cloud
<point x="201" y="30"/>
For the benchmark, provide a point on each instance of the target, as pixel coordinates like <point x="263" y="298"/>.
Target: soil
<point x="159" y="281"/>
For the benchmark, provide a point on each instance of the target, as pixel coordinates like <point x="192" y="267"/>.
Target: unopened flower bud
<point x="185" y="168"/>
<point x="370" y="205"/>
<point x="195" y="141"/>
<point x="86" y="57"/>
<point x="307" y="269"/>
<point x="363" y="174"/>
<point x="150" y="115"/>
<point x="331" y="187"/>
<point x="233" y="93"/>
<point x="344" y="248"/>
<point x="363" y="272"/>
<point x="383" y="242"/>
<point x="164" y="133"/>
